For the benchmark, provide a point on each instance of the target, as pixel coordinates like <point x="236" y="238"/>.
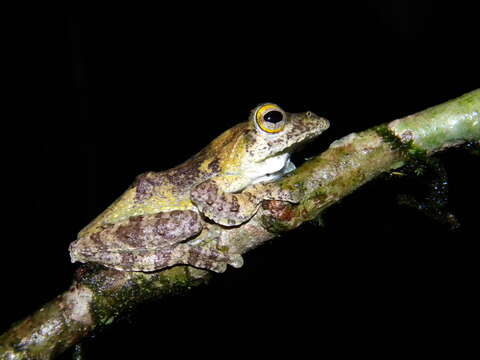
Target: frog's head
<point x="278" y="132"/>
<point x="273" y="135"/>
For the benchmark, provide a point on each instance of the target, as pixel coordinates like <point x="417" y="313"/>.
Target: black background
<point x="119" y="91"/>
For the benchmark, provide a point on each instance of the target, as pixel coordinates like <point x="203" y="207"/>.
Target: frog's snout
<point x="316" y="121"/>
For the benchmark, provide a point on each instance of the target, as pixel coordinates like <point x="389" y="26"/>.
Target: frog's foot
<point x="205" y="258"/>
<point x="234" y="209"/>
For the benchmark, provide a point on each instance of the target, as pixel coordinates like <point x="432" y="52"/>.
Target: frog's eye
<point x="270" y="118"/>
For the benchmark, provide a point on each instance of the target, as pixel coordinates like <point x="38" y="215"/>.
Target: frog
<point x="157" y="221"/>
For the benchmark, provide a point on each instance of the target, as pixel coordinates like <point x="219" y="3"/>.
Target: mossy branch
<point x="99" y="295"/>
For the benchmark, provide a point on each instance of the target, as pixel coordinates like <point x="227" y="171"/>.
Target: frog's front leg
<point x="230" y="209"/>
<point x="150" y="242"/>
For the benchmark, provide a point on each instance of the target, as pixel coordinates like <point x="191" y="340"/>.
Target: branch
<point x="99" y="295"/>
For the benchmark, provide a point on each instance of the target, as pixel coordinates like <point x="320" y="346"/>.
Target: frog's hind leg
<point x="151" y="242"/>
<point x="205" y="258"/>
<point x="181" y="254"/>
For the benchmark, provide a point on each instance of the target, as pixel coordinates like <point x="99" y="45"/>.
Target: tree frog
<point x="154" y="224"/>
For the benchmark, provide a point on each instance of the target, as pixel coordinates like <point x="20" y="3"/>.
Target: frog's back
<point x="155" y="192"/>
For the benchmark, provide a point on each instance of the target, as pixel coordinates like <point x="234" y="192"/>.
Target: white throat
<point x="270" y="169"/>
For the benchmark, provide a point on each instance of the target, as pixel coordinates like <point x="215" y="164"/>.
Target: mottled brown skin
<point x="154" y="223"/>
<point x="146" y="243"/>
<point x="224" y="208"/>
<point x="206" y="164"/>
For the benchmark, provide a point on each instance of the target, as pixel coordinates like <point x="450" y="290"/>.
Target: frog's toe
<point x="236" y="261"/>
<point x="217" y="267"/>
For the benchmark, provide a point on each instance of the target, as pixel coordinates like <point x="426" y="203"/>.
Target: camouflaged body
<point x="229" y="158"/>
<point x="144" y="243"/>
<point x="144" y="229"/>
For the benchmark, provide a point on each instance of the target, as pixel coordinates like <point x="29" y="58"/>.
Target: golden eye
<point x="270" y="118"/>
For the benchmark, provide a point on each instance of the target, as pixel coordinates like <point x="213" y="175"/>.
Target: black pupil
<point x="273" y="116"/>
